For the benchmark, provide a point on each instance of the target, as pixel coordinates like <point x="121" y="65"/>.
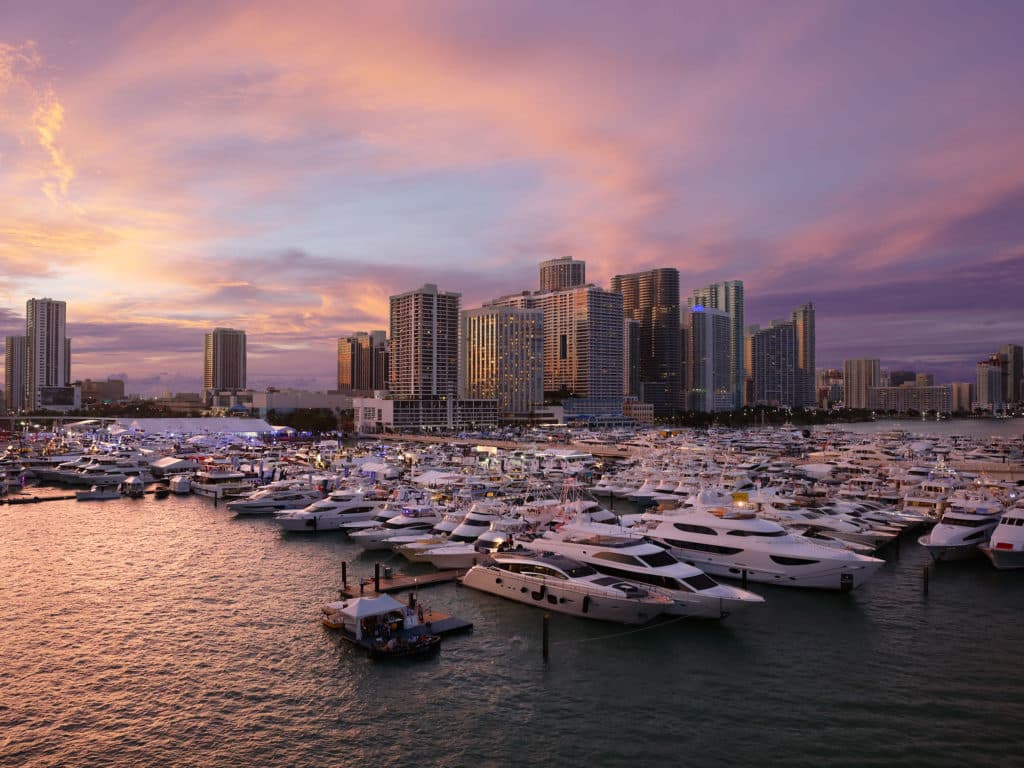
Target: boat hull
<point x="1004" y="559"/>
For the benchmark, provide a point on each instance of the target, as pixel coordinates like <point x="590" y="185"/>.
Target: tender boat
<point x="557" y="583"/>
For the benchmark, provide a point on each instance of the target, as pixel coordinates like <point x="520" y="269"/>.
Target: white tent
<point x="355" y="610"/>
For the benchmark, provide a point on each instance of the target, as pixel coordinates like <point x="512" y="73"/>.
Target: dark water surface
<point x="167" y="633"/>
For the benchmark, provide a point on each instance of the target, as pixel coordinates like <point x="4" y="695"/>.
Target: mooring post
<point x="547" y="621"/>
<point x="344" y="574"/>
<point x="376" y="577"/>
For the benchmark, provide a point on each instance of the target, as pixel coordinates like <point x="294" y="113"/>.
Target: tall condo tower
<point x="583" y="345"/>
<point x="1013" y="372"/>
<point x="501" y="357"/>
<point x="425" y="342"/>
<point x="803" y="323"/>
<point x="708" y="359"/>
<point x="362" y="362"/>
<point x="773" y="364"/>
<point x="652" y="299"/>
<point x="559" y="274"/>
<point x="224" y="359"/>
<point x="858" y="376"/>
<point x="727" y="296"/>
<point x="15" y="370"/>
<point x="49" y="349"/>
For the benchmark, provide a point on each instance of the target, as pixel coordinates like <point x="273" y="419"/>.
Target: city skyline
<point x="167" y="170"/>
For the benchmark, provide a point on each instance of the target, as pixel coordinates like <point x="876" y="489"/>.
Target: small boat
<point x="386" y="628"/>
<point x="99" y="493"/>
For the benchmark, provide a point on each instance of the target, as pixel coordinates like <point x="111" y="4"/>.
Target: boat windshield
<point x="577" y="571"/>
<point x="701" y="581"/>
<point x="658" y="559"/>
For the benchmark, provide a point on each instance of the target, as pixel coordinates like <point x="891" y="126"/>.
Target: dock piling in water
<point x="344" y="574"/>
<point x="376" y="577"/>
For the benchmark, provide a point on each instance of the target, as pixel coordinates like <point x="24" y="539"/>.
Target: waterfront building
<point x="360" y="358"/>
<point x="803" y="325"/>
<point x="708" y="359"/>
<point x="501" y="357"/>
<point x="652" y="299"/>
<point x="1012" y="356"/>
<point x="15" y="372"/>
<point x="224" y="360"/>
<point x="109" y="391"/>
<point x="561" y="273"/>
<point x="378" y="414"/>
<point x="773" y="356"/>
<point x="583" y="347"/>
<point x="989" y="385"/>
<point x="859" y="375"/>
<point x="727" y="296"/>
<point x="425" y="342"/>
<point x="830" y="387"/>
<point x="963" y="396"/>
<point x="631" y="358"/>
<point x="911" y="397"/>
<point x="48" y="349"/>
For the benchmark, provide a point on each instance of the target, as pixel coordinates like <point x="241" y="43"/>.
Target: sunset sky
<point x="285" y="167"/>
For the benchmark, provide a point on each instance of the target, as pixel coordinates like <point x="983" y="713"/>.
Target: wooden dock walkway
<point x="398" y="582"/>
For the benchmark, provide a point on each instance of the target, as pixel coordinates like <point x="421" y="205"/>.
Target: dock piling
<point x="376" y="577"/>
<point x="344" y="574"/>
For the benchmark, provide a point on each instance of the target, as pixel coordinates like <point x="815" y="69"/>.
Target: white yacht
<point x="410" y="519"/>
<point x="693" y="592"/>
<point x="557" y="583"/>
<point x="267" y="501"/>
<point x="330" y="513"/>
<point x="737" y="545"/>
<point x="1006" y="547"/>
<point x="219" y="482"/>
<point x="966" y="524"/>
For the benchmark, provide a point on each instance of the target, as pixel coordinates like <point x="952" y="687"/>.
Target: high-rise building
<point x="49" y="350"/>
<point x="362" y="361"/>
<point x="15" y="371"/>
<point x="1013" y="374"/>
<point x="803" y="324"/>
<point x="898" y="378"/>
<point x="727" y="296"/>
<point x="425" y="343"/>
<point x="224" y="360"/>
<point x="923" y="380"/>
<point x="963" y="396"/>
<point x="583" y="346"/>
<point x="652" y="299"/>
<point x="501" y="357"/>
<point x="708" y="359"/>
<point x="773" y="355"/>
<point x="631" y="358"/>
<point x="561" y="273"/>
<point x="858" y="376"/>
<point x="988" y="390"/>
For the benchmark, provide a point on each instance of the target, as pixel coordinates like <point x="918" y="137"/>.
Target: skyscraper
<point x="708" y="359"/>
<point x="989" y="387"/>
<point x="561" y="273"/>
<point x="49" y="350"/>
<point x="1013" y="355"/>
<point x="773" y="352"/>
<point x="631" y="358"/>
<point x="858" y="376"/>
<point x="224" y="360"/>
<point x="803" y="323"/>
<point x="652" y="299"/>
<point x="425" y="342"/>
<point x="727" y="296"/>
<point x="501" y="357"/>
<point x="583" y="345"/>
<point x="360" y="356"/>
<point x="15" y="370"/>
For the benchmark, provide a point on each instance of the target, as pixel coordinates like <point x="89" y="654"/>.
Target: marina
<point x="167" y="610"/>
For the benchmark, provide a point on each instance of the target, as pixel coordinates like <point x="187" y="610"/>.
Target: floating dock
<point x="397" y="582"/>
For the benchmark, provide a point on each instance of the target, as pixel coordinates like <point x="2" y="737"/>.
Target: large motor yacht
<point x="737" y="544"/>
<point x="409" y="520"/>
<point x="966" y="524"/>
<point x="267" y="501"/>
<point x="557" y="583"/>
<point x="693" y="592"/>
<point x="330" y="513"/>
<point x="1006" y="547"/>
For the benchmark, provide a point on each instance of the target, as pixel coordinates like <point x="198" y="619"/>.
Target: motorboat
<point x="133" y="487"/>
<point x="722" y="541"/>
<point x="221" y="482"/>
<point x="1006" y="547"/>
<point x="693" y="592"/>
<point x="180" y="484"/>
<point x="329" y="514"/>
<point x="558" y="583"/>
<point x="414" y="518"/>
<point x="967" y="523"/>
<point x="267" y="501"/>
<point x="99" y="492"/>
